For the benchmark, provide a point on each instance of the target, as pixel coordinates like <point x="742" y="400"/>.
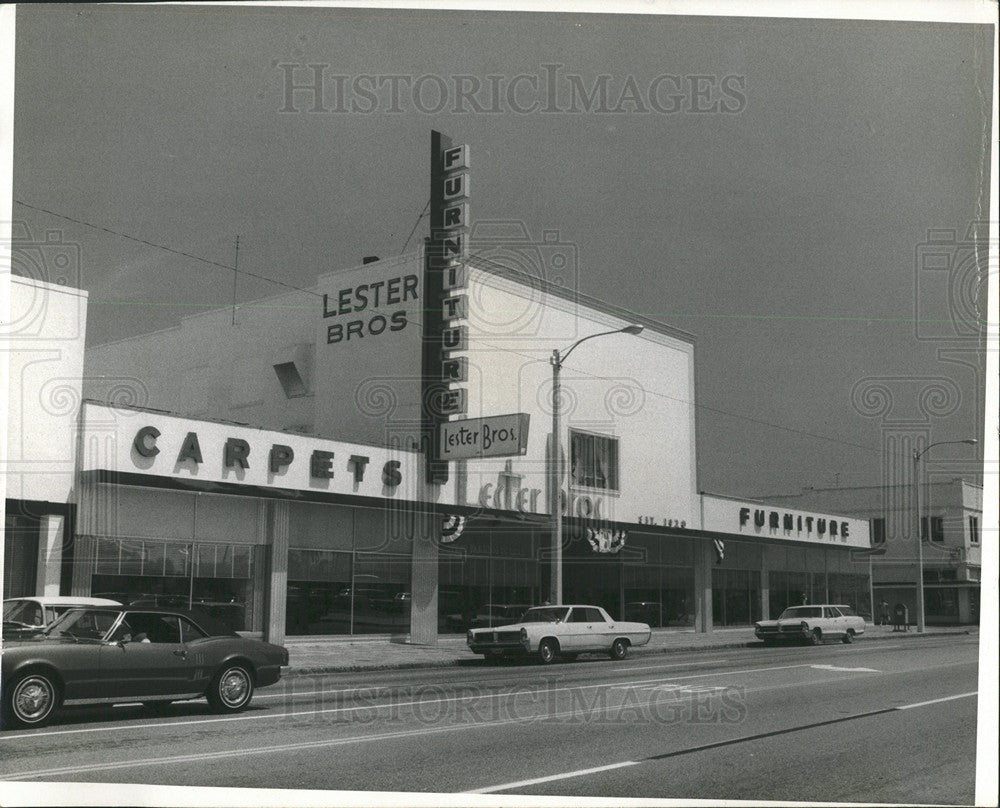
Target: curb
<point x="641" y="651"/>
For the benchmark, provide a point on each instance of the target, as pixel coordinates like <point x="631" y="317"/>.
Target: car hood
<point x="41" y="639"/>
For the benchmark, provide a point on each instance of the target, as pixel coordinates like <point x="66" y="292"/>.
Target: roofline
<point x="573" y="296"/>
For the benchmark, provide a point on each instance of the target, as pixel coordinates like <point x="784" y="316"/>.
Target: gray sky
<point x="783" y="235"/>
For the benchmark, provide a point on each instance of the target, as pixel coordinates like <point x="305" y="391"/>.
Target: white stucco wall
<point x="44" y="350"/>
<point x="638" y="389"/>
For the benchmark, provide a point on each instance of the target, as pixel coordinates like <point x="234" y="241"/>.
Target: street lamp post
<point x="920" y="539"/>
<point x="555" y="475"/>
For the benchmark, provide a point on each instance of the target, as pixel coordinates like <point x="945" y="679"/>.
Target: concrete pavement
<point x="312" y="656"/>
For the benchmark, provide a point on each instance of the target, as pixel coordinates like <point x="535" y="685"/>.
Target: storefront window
<point x="487" y="578"/>
<point x="319" y="588"/>
<point x="735" y="597"/>
<point x="157" y="573"/>
<point x="941" y="603"/>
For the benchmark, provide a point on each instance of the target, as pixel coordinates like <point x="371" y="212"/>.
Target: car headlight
<point x="524" y="636"/>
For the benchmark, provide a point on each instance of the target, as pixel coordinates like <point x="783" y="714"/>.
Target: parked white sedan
<point x="813" y="624"/>
<point x="29" y="616"/>
<point x="551" y="632"/>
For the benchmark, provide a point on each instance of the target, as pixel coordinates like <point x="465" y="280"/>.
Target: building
<point x="951" y="531"/>
<point x="374" y="454"/>
<point x="44" y="349"/>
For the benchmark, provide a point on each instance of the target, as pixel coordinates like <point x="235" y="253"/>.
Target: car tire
<point x="31" y="700"/>
<point x="816" y="638"/>
<point x="548" y="650"/>
<point x="157" y="707"/>
<point x="849" y="636"/>
<point x="231" y="689"/>
<point x="619" y="649"/>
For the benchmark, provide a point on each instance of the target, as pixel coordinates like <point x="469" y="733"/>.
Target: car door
<point x="598" y="630"/>
<point x="573" y="632"/>
<point x="146" y="657"/>
<point x="833" y="621"/>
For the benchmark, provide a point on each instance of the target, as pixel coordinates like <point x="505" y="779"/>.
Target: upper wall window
<point x="594" y="460"/>
<point x="291" y="380"/>
<point x="974" y="529"/>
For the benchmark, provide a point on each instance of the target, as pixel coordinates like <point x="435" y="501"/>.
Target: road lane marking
<point x="553" y="777"/>
<point x="845" y="670"/>
<point x="717" y="745"/>
<point x="520" y="720"/>
<point x="938" y="701"/>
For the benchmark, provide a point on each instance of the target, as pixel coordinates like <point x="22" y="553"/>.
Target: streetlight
<point x="920" y="539"/>
<point x="557" y="360"/>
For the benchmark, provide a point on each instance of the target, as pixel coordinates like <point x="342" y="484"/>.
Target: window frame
<point x="589" y="442"/>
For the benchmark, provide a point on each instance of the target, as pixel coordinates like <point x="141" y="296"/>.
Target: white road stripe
<point x="553" y="777"/>
<point x="938" y="701"/>
<point x="844" y="670"/>
<point x="581" y="772"/>
<point x="326" y="743"/>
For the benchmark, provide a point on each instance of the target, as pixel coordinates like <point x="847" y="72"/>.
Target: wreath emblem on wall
<point x="606" y="541"/>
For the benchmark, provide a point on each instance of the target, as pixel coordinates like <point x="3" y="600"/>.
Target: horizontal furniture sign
<point x="722" y="515"/>
<point x="493" y="436"/>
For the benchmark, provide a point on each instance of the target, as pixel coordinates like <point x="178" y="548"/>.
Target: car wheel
<point x="619" y="649"/>
<point x="231" y="689"/>
<point x="547" y="651"/>
<point x="157" y="707"/>
<point x="849" y="636"/>
<point x="31" y="700"/>
<point x="816" y="638"/>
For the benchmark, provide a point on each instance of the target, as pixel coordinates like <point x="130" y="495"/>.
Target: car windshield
<point x="545" y="614"/>
<point x="800" y="611"/>
<point x="22" y="613"/>
<point x="88" y="624"/>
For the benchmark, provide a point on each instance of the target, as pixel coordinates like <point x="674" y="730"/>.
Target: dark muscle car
<point x="124" y="654"/>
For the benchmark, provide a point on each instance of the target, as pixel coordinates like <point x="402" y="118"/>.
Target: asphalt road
<point x="872" y="722"/>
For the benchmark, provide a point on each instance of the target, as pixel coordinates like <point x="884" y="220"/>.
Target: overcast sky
<point x="782" y="227"/>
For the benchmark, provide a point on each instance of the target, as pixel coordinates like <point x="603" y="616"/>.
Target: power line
<point x="416" y="224"/>
<point x="169" y="249"/>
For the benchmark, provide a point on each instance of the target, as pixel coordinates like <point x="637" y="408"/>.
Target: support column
<point x="424" y="582"/>
<point x="277" y="535"/>
<point x="765" y="585"/>
<point x="83" y="566"/>
<point x="703" y="587"/>
<point x="964" y="606"/>
<point x="50" y="549"/>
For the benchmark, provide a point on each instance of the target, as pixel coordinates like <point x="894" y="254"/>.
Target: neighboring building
<point x="951" y="527"/>
<point x="44" y="348"/>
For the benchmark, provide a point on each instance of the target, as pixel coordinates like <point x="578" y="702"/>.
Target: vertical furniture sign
<point x="445" y="300"/>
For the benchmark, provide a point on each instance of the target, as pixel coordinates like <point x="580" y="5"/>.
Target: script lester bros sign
<point x="494" y="436"/>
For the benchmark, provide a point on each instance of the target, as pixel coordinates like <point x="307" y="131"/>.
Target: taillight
<point x="524" y="636"/>
<point x="468" y="637"/>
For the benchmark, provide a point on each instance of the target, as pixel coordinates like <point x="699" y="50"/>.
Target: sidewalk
<point x="312" y="656"/>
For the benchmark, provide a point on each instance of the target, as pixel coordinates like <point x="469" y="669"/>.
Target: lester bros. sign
<point x="495" y="436"/>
